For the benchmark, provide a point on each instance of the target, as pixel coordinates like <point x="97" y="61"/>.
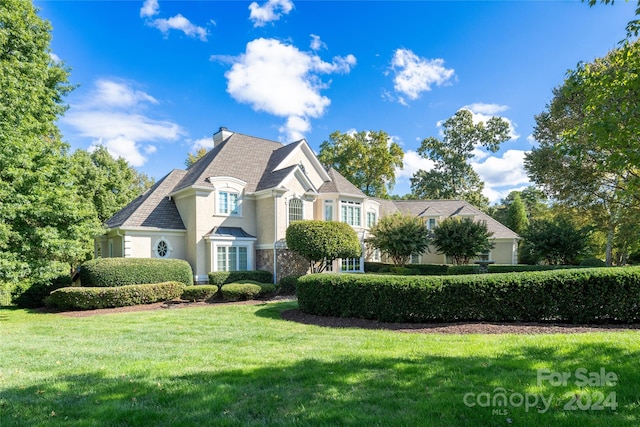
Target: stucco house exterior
<point x="230" y="211"/>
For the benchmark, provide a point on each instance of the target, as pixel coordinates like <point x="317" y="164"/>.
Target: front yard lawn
<point x="243" y="365"/>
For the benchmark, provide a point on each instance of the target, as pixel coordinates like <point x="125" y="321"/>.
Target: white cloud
<point x="270" y="11"/>
<point x="507" y="170"/>
<point x="149" y="8"/>
<point x="412" y="163"/>
<point x="316" y="43"/>
<point x="179" y="23"/>
<point x="531" y="139"/>
<point x="483" y="112"/>
<point x="280" y="79"/>
<point x="205" y="142"/>
<point x="414" y="75"/>
<point x="54" y="57"/>
<point x="111" y="116"/>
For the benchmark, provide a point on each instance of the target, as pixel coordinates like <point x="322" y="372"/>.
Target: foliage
<point x="368" y="159"/>
<point x="517" y="219"/>
<point x="452" y="177"/>
<point x="576" y="296"/>
<point x="536" y="205"/>
<point x="288" y="285"/>
<point x="42" y="220"/>
<point x="240" y="291"/>
<point x="400" y="235"/>
<point x="219" y="278"/>
<point x="108" y="183"/>
<point x="112" y="272"/>
<point x="462" y="239"/>
<point x="199" y="292"/>
<point x="592" y="262"/>
<point x="556" y="241"/>
<point x="587" y="136"/>
<point x="321" y="242"/>
<point x="194" y="157"/>
<point x="82" y="298"/>
<point x="33" y="295"/>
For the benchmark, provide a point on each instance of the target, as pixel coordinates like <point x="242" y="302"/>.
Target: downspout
<point x="122" y="240"/>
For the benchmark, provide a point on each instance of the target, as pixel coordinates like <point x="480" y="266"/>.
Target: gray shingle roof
<point x="229" y="232"/>
<point x="340" y="184"/>
<point x="240" y="156"/>
<point x="153" y="208"/>
<point x="449" y="208"/>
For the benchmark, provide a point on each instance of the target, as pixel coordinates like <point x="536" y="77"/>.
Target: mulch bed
<point x="298" y="316"/>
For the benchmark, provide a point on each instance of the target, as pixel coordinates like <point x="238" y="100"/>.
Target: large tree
<point x="557" y="241"/>
<point x="108" y="183"/>
<point x="399" y="236"/>
<point x="43" y="223"/>
<point x="462" y="239"/>
<point x="588" y="139"/>
<point x="452" y="176"/>
<point x="368" y="159"/>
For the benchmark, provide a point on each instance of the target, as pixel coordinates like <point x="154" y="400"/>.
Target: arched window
<point x="162" y="248"/>
<point x="295" y="210"/>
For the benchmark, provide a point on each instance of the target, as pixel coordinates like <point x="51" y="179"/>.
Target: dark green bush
<point x="376" y="267"/>
<point x="288" y="285"/>
<point x="240" y="291"/>
<point x="33" y="295"/>
<point x="219" y="278"/>
<point x="110" y="272"/>
<point x="82" y="298"/>
<point x="592" y="262"/>
<point x="576" y="296"/>
<point x="199" y="292"/>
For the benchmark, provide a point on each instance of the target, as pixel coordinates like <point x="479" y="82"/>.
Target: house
<point x="230" y="210"/>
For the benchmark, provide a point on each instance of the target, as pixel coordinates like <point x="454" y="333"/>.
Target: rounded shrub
<point x="240" y="291"/>
<point x="199" y="292"/>
<point x="219" y="278"/>
<point x="33" y="295"/>
<point x="288" y="285"/>
<point x="592" y="262"/>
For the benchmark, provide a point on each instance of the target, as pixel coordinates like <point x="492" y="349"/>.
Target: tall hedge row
<point x="610" y="295"/>
<point x="446" y="270"/>
<point x="110" y="272"/>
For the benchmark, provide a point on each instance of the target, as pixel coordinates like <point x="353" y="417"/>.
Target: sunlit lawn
<point x="243" y="365"/>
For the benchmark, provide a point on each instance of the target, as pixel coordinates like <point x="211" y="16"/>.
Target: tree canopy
<point x="44" y="226"/>
<point x="321" y="242"/>
<point x="462" y="239"/>
<point x="194" y="157"/>
<point x="452" y="176"/>
<point x="400" y="235"/>
<point x="368" y="159"/>
<point x="556" y="241"/>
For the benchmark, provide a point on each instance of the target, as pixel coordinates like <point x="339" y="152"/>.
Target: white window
<point x="350" y="213"/>
<point x="431" y="223"/>
<point x="328" y="210"/>
<point x="295" y="210"/>
<point x="227" y="203"/>
<point x="350" y="264"/>
<point x="232" y="258"/>
<point x="415" y="258"/>
<point x="371" y="219"/>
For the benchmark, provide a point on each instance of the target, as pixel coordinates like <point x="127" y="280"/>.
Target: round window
<point x="162" y="249"/>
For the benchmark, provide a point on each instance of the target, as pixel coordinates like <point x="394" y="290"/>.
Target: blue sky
<point x="157" y="78"/>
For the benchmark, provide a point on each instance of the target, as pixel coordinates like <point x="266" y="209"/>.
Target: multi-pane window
<point x="431" y="223"/>
<point x="328" y="210"/>
<point x="371" y="219"/>
<point x="162" y="249"/>
<point x="227" y="203"/>
<point x="350" y="264"/>
<point x="295" y="210"/>
<point x="350" y="213"/>
<point x="232" y="258"/>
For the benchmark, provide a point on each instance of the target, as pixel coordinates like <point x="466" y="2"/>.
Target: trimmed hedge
<point x="82" y="298"/>
<point x="597" y="295"/>
<point x="199" y="292"/>
<point x="240" y="291"/>
<point x="219" y="278"/>
<point x="288" y="285"/>
<point x="448" y="270"/>
<point x="111" y="272"/>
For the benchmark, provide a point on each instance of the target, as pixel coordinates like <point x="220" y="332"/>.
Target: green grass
<point x="242" y="365"/>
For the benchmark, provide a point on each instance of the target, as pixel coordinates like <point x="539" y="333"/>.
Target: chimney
<point x="221" y="135"/>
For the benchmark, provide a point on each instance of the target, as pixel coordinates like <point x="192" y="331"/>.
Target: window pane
<point x="356" y="216"/>
<point x="328" y="211"/>
<point x="223" y="206"/>
<point x="295" y="210"/>
<point x="242" y="258"/>
<point x="233" y="258"/>
<point x="222" y="259"/>
<point x="233" y="203"/>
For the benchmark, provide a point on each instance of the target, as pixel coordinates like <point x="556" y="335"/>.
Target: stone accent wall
<point x="289" y="263"/>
